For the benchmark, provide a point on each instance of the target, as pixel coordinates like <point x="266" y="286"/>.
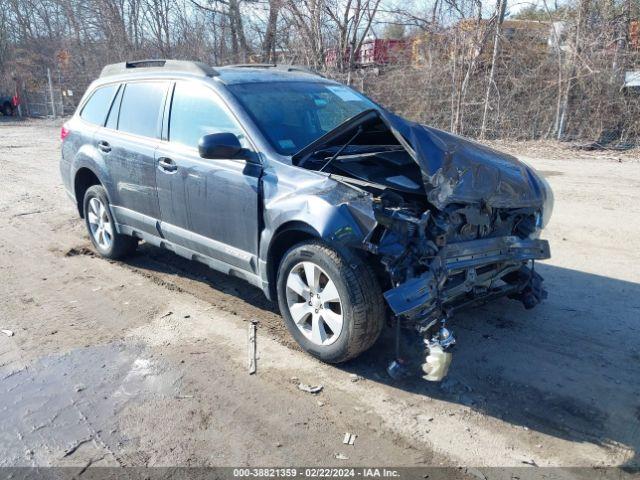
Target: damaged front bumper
<point x="460" y="275"/>
<point x="469" y="272"/>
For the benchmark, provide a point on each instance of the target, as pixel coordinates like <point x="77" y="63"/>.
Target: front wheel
<point x="101" y="227"/>
<point x="331" y="301"/>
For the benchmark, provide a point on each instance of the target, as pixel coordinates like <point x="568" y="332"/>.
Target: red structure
<point x="634" y="34"/>
<point x="383" y="51"/>
<point x="375" y="52"/>
<point x="332" y="55"/>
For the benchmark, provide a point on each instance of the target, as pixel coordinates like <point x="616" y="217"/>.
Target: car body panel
<point x="458" y="170"/>
<point x="228" y="189"/>
<point x="454" y="169"/>
<point x="79" y="152"/>
<point x="208" y="198"/>
<point x="131" y="163"/>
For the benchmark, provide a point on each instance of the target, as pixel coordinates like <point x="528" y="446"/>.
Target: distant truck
<point x="8" y="104"/>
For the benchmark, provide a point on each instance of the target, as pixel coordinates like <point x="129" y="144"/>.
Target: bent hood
<point x="457" y="170"/>
<point x="454" y="169"/>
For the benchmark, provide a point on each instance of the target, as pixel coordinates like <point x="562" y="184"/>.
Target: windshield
<point x="293" y="114"/>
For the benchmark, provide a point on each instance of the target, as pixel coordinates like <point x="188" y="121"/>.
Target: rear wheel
<point x="101" y="227"/>
<point x="331" y="301"/>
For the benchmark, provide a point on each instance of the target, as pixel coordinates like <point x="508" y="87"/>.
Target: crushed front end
<point x="455" y="222"/>
<point x="441" y="262"/>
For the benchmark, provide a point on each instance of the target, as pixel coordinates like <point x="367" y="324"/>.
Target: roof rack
<point x="252" y="65"/>
<point x="285" y="67"/>
<point x="159" y="65"/>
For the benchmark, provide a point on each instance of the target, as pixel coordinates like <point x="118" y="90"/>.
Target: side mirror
<point x="219" y="146"/>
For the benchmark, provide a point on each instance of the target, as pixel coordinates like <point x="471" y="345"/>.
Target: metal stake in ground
<point x="253" y="348"/>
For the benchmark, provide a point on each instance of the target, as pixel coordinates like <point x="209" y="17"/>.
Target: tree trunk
<point x="269" y="43"/>
<point x="582" y="11"/>
<point x="500" y="10"/>
<point x="236" y="18"/>
<point x="477" y="47"/>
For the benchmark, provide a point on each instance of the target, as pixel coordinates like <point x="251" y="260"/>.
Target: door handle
<point x="167" y="164"/>
<point x="104" y="146"/>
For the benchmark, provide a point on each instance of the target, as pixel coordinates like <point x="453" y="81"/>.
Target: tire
<point x="110" y="244"/>
<point x="360" y="301"/>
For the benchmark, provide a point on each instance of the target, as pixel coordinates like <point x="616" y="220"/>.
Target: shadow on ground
<point x="568" y="368"/>
<point x="11" y="119"/>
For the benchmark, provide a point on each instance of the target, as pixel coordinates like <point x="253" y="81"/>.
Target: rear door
<point x="92" y="116"/>
<point x="128" y="142"/>
<point x="209" y="206"/>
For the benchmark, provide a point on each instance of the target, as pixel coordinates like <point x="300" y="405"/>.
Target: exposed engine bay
<point x="456" y="223"/>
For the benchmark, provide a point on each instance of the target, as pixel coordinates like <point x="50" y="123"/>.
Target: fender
<point x="90" y="158"/>
<point x="316" y="205"/>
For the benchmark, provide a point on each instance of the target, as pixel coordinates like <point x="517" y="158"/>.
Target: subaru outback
<point x="347" y="215"/>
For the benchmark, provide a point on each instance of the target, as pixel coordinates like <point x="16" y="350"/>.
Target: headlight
<point x="547" y="206"/>
<point x="547" y="194"/>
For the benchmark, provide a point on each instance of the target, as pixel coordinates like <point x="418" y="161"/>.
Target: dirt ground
<point x="143" y="362"/>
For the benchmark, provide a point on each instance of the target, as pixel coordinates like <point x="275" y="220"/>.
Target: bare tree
<point x="501" y="7"/>
<point x="269" y="41"/>
<point x="353" y="20"/>
<point x="466" y="70"/>
<point x="231" y="10"/>
<point x="308" y="16"/>
<point x="573" y="63"/>
<point x="473" y="47"/>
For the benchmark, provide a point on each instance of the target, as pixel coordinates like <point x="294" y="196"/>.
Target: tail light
<point x="64" y="132"/>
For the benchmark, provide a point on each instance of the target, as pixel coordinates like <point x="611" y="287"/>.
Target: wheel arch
<point x="83" y="179"/>
<point x="285" y="237"/>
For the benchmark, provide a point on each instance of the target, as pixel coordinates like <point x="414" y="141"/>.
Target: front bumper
<point x="465" y="273"/>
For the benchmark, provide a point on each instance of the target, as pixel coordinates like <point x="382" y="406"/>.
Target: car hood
<point x="458" y="170"/>
<point x="454" y="169"/>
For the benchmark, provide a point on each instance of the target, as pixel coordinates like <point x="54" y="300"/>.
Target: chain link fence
<point x="51" y="93"/>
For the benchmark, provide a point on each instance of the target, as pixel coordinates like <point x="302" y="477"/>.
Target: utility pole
<point x="53" y="105"/>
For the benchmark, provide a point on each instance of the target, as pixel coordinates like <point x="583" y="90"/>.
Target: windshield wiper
<point x="341" y="149"/>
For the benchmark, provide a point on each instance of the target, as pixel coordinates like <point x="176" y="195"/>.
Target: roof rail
<point x="285" y="67"/>
<point x="159" y="65"/>
<point x="252" y="65"/>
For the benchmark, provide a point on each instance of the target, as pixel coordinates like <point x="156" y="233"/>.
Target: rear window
<point x="140" y="108"/>
<point x="95" y="110"/>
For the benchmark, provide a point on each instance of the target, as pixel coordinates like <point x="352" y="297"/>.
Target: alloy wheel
<point x="314" y="303"/>
<point x="99" y="224"/>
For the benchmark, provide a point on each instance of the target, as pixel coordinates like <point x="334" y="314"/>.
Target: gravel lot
<point x="143" y="362"/>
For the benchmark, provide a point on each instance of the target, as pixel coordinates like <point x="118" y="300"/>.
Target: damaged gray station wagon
<point x="347" y="215"/>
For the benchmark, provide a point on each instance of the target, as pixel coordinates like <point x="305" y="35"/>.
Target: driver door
<point x="208" y="206"/>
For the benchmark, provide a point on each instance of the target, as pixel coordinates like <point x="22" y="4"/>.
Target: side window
<point x="112" y="119"/>
<point x="196" y="111"/>
<point x="140" y="108"/>
<point x="95" y="110"/>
